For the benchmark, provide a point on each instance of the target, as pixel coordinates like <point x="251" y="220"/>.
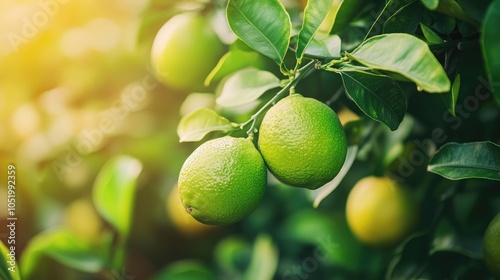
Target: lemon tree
<point x="382" y="76"/>
<point x="415" y="84"/>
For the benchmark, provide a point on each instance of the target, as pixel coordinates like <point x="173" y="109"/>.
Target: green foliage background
<point x="94" y="137"/>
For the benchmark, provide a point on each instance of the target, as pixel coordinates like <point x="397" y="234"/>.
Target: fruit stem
<point x="299" y="74"/>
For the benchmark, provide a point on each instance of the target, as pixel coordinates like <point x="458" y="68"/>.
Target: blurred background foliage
<point x="76" y="89"/>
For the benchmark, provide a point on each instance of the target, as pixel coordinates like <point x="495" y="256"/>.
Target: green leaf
<point x="324" y="47"/>
<point x="66" y="248"/>
<point x="267" y="30"/>
<point x="185" y="270"/>
<point x="328" y="232"/>
<point x="469" y="10"/>
<point x="346" y="11"/>
<point x="264" y="259"/>
<point x="490" y="42"/>
<point x="450" y="99"/>
<point x="447" y="264"/>
<point x="411" y="59"/>
<point x="378" y="96"/>
<point x="410" y="257"/>
<point x="315" y="14"/>
<point x="430" y="4"/>
<point x="470" y="160"/>
<point x="9" y="270"/>
<point x="228" y="255"/>
<point x="234" y="60"/>
<point x="195" y="125"/>
<point x="245" y="86"/>
<point x="430" y="35"/>
<point x="405" y="20"/>
<point x="319" y="194"/>
<point x="195" y="101"/>
<point x="114" y="189"/>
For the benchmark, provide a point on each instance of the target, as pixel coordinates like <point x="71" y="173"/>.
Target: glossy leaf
<point x="9" y="270"/>
<point x="195" y="125"/>
<point x="245" y="86"/>
<point x="324" y="47"/>
<point x="267" y="30"/>
<point x="185" y="270"/>
<point x="450" y="99"/>
<point x="405" y="20"/>
<point x="452" y="264"/>
<point x="378" y="96"/>
<point x="469" y="10"/>
<point x="346" y="11"/>
<point x="430" y="35"/>
<point x="65" y="247"/>
<point x="113" y="192"/>
<point x="264" y="259"/>
<point x="490" y="42"/>
<point x="234" y="60"/>
<point x="430" y="4"/>
<point x="470" y="160"/>
<point x="319" y="194"/>
<point x="411" y="59"/>
<point x="410" y="257"/>
<point x="315" y="14"/>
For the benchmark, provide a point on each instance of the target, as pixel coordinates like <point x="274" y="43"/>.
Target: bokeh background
<point x="76" y="89"/>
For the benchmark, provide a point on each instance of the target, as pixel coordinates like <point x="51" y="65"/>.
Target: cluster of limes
<point x="300" y="141"/>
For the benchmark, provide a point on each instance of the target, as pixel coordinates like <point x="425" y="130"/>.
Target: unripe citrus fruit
<point x="222" y="181"/>
<point x="491" y="246"/>
<point x="380" y="212"/>
<point x="302" y="142"/>
<point x="180" y="218"/>
<point x="185" y="50"/>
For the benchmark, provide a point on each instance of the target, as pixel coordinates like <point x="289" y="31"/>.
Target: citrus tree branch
<point x="299" y="74"/>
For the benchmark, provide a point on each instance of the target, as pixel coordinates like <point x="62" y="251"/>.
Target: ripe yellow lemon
<point x="302" y="142"/>
<point x="185" y="50"/>
<point x="380" y="212"/>
<point x="491" y="246"/>
<point x="222" y="181"/>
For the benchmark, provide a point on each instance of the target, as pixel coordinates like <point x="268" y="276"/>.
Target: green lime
<point x="185" y="50"/>
<point x="302" y="142"/>
<point x="491" y="246"/>
<point x="222" y="181"/>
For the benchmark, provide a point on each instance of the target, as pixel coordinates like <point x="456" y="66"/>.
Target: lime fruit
<point x="491" y="246"/>
<point x="185" y="50"/>
<point x="380" y="212"/>
<point x="222" y="181"/>
<point x="302" y="142"/>
<point x="180" y="218"/>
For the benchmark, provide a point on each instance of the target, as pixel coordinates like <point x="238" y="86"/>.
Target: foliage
<point x="413" y="82"/>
